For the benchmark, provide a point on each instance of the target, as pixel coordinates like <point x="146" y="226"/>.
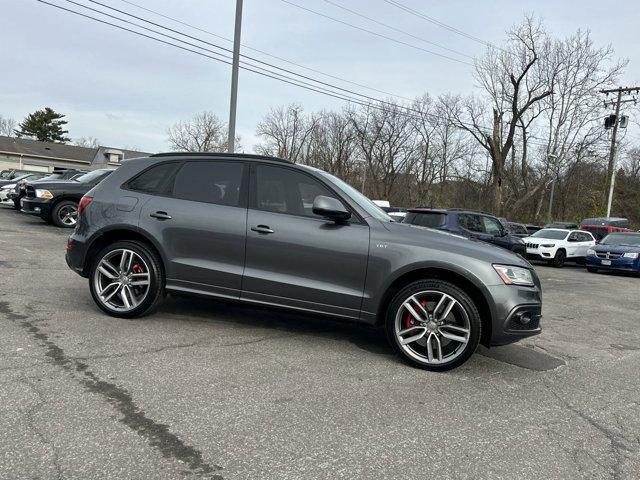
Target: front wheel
<point x="559" y="259"/>
<point x="126" y="279"/>
<point x="433" y="325"/>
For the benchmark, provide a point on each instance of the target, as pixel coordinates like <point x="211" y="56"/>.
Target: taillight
<point x="84" y="203"/>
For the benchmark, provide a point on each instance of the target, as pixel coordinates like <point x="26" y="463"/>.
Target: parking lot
<point x="203" y="389"/>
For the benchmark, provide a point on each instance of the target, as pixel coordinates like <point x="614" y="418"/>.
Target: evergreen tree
<point x="44" y="125"/>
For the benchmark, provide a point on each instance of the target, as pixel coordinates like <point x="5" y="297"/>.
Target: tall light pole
<point x="231" y="140"/>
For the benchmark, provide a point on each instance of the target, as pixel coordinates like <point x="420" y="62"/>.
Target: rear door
<point x="296" y="258"/>
<point x="201" y="225"/>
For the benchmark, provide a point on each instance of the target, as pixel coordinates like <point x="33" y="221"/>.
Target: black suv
<point x="264" y="231"/>
<point x="56" y="201"/>
<point x="468" y="223"/>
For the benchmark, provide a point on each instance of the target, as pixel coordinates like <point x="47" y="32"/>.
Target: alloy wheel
<point x="121" y="280"/>
<point x="432" y="327"/>
<point x="68" y="215"/>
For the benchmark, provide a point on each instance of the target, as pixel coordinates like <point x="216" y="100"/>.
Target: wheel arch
<point x="464" y="281"/>
<point x="118" y="233"/>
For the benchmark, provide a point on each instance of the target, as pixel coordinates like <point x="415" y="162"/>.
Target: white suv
<point x="556" y="245"/>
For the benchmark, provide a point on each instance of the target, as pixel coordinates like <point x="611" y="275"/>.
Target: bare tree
<point x="87" y="142"/>
<point x="205" y="132"/>
<point x="511" y="79"/>
<point x="8" y="126"/>
<point x="285" y="132"/>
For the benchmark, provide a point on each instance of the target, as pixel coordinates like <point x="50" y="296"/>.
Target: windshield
<point x="622" y="239"/>
<point x="366" y="204"/>
<point x="91" y="176"/>
<point x="426" y="219"/>
<point x="551" y="234"/>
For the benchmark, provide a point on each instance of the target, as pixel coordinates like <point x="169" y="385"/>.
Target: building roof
<point x="23" y="146"/>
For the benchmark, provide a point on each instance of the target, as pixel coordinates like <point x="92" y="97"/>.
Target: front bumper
<point x="36" y="206"/>
<point x="619" y="264"/>
<point x="517" y="313"/>
<point x="541" y="253"/>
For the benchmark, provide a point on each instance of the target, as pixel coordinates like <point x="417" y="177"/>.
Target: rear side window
<point x="426" y="219"/>
<point x="210" y="182"/>
<point x="157" y="180"/>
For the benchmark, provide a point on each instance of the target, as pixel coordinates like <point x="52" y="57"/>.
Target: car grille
<point x="31" y="192"/>
<point x="532" y="245"/>
<point x="608" y="255"/>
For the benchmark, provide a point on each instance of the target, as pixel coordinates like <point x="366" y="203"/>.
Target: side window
<point x="210" y="182"/>
<point x="574" y="237"/>
<point x="492" y="226"/>
<point x="471" y="222"/>
<point x="283" y="190"/>
<point x="156" y="180"/>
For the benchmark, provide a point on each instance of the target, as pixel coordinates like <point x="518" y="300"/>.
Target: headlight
<point x="591" y="251"/>
<point x="43" y="193"/>
<point x="548" y="245"/>
<point x="630" y="255"/>
<point x="514" y="275"/>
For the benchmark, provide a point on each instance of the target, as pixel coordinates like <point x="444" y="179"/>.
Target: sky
<point x="126" y="91"/>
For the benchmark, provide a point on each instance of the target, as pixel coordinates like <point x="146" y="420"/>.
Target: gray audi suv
<point x="264" y="231"/>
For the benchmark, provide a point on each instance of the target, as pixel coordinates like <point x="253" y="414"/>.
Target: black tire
<point x="58" y="215"/>
<point x="475" y="323"/>
<point x="559" y="259"/>
<point x="592" y="269"/>
<point x="16" y="205"/>
<point x="156" y="293"/>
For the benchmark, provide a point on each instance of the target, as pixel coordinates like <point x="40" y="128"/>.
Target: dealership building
<point x="24" y="154"/>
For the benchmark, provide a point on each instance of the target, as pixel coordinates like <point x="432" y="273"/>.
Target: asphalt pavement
<point x="204" y="389"/>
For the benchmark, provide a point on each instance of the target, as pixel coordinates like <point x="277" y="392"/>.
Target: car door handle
<point x="161" y="215"/>
<point x="261" y="229"/>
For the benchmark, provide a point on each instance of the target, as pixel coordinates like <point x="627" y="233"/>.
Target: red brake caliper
<point x="137" y="268"/>
<point x="410" y="321"/>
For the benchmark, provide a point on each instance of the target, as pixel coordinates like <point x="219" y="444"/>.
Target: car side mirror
<point x="330" y="208"/>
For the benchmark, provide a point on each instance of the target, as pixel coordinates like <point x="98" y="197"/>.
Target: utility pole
<point x="612" y="152"/>
<point x="231" y="140"/>
<point x="552" y="157"/>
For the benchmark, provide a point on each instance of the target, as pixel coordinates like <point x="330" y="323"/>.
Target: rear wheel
<point x="126" y="280"/>
<point x="65" y="214"/>
<point x="559" y="259"/>
<point x="433" y="325"/>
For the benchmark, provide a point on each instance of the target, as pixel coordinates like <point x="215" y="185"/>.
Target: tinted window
<point x="210" y="182"/>
<point x="574" y="237"/>
<point x="156" y="180"/>
<point x="283" y="190"/>
<point x="425" y="219"/>
<point x="471" y="222"/>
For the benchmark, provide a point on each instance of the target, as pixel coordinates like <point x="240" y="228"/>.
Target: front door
<point x="298" y="259"/>
<point x="201" y="225"/>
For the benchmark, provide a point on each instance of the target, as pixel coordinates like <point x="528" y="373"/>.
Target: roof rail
<point x="220" y="155"/>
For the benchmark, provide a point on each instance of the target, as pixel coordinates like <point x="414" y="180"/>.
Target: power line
<point x="371" y="32"/>
<point x="437" y="22"/>
<point x="335" y="87"/>
<point x="270" y="55"/>
<point x="323" y="88"/>
<point x="404" y="32"/>
<point x="274" y="75"/>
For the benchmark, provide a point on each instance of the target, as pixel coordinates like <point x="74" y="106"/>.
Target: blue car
<point x="616" y="252"/>
<point x="468" y="223"/>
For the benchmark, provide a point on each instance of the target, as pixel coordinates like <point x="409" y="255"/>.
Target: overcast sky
<point x="126" y="90"/>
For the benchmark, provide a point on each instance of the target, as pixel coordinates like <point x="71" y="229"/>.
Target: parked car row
<point x="54" y="197"/>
